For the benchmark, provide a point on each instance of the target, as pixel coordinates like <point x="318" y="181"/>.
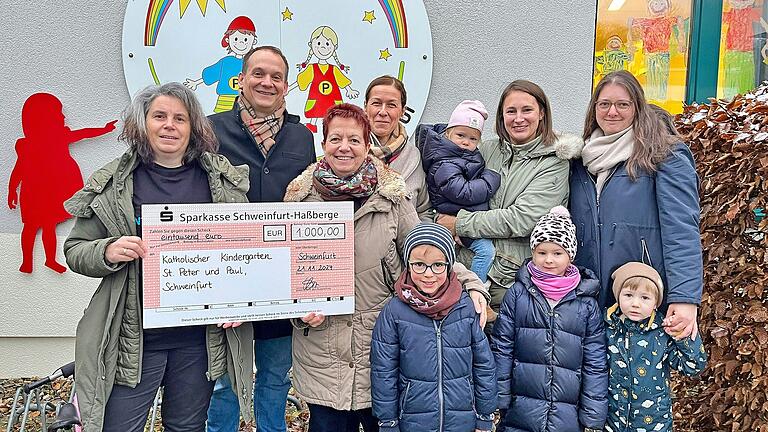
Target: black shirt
<point x="155" y="184"/>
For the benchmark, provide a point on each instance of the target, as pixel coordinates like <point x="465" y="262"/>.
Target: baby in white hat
<point x="456" y="174"/>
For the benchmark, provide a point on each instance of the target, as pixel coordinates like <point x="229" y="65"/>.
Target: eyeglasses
<point x="621" y="105"/>
<point x="420" y="267"/>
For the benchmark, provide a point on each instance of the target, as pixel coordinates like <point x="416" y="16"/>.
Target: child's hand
<point x="313" y="319"/>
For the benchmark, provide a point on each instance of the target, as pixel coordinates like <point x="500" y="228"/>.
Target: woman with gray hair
<point x="119" y="365"/>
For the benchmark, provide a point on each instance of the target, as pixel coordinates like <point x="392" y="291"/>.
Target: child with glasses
<point x="549" y="342"/>
<point x="431" y="366"/>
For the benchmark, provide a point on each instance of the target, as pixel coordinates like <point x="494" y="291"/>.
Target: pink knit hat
<point x="469" y="113"/>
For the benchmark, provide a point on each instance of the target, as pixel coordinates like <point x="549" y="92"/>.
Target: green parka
<point x="534" y="178"/>
<point x="108" y="348"/>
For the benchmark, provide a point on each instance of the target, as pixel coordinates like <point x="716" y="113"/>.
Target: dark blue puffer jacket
<point x="551" y="364"/>
<point x="456" y="178"/>
<point x="429" y="375"/>
<point x="654" y="219"/>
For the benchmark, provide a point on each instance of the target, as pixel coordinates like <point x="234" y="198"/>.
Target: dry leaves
<point x="729" y="141"/>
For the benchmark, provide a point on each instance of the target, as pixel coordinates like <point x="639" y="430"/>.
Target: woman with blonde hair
<point x="634" y="197"/>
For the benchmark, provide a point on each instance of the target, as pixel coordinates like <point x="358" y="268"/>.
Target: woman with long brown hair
<point x="634" y="197"/>
<point x="533" y="163"/>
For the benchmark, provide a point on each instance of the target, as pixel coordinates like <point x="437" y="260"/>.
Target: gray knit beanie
<point x="428" y="233"/>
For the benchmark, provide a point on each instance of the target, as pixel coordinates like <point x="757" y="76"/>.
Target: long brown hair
<point x="545" y="124"/>
<point x="653" y="142"/>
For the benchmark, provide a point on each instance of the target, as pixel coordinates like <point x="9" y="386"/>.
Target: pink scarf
<point x="555" y="287"/>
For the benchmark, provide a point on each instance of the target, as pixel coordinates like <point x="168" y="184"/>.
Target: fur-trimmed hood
<point x="567" y="146"/>
<point x="391" y="185"/>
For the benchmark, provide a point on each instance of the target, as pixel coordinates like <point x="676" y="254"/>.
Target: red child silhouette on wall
<point x="47" y="174"/>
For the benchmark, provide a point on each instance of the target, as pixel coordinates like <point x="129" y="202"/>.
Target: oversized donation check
<point x="213" y="263"/>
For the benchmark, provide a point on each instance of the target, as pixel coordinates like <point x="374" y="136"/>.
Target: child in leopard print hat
<point x="552" y="311"/>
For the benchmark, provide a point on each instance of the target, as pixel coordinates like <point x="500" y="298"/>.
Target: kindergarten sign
<point x="334" y="49"/>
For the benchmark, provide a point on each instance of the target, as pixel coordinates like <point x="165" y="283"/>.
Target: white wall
<point x="73" y="50"/>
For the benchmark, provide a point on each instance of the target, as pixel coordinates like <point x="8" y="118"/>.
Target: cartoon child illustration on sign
<point x="656" y="34"/>
<point x="613" y="58"/>
<point x="47" y="174"/>
<point x="239" y="38"/>
<point x="324" y="80"/>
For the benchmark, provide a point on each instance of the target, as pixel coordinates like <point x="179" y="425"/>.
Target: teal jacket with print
<point x="640" y="355"/>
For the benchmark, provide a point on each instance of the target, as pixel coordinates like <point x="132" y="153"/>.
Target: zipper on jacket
<point x="439" y="334"/>
<point x="404" y="398"/>
<point x="208" y="351"/>
<point x="596" y="221"/>
<point x="440" y="401"/>
<point x="629" y="368"/>
<point x="598" y="226"/>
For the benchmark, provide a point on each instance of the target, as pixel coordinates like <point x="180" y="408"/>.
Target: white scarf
<point x="602" y="153"/>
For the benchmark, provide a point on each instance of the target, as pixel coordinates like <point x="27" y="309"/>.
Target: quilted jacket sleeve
<point x="385" y="368"/>
<point x="677" y="198"/>
<point x="593" y="403"/>
<point x="85" y="246"/>
<point x="503" y="347"/>
<point x="484" y="377"/>
<point x="450" y="179"/>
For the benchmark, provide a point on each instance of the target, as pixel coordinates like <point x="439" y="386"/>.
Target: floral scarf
<point x="390" y="151"/>
<point x="263" y="129"/>
<point x="331" y="187"/>
<point x="435" y="305"/>
<point x="555" y="287"/>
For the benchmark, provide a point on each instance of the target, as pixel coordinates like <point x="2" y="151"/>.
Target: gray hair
<point x="201" y="136"/>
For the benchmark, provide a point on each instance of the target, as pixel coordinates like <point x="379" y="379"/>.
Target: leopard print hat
<point x="556" y="227"/>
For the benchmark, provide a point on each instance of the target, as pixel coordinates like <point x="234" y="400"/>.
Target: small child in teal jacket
<point x="641" y="353"/>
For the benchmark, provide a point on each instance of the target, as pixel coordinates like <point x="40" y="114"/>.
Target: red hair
<point x="348" y="111"/>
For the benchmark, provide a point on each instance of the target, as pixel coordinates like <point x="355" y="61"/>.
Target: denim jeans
<point x="270" y="390"/>
<point x="185" y="395"/>
<point x="484" y="254"/>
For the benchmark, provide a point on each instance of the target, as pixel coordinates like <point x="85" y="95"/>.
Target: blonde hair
<point x="329" y="34"/>
<point x="636" y="282"/>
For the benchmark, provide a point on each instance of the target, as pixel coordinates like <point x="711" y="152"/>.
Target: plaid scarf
<point x="435" y="305"/>
<point x="390" y="151"/>
<point x="263" y="129"/>
<point x="331" y="187"/>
